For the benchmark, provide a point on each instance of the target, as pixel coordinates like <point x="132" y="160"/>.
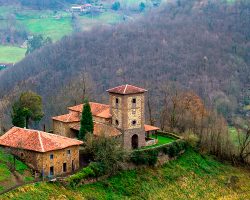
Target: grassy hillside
<point x="192" y="176"/>
<point x="10" y="177"/>
<point x="10" y="54"/>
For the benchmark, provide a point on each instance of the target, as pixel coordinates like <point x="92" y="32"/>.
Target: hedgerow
<point x="150" y="156"/>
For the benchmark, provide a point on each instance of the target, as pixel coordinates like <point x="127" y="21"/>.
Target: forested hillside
<point x="200" y="45"/>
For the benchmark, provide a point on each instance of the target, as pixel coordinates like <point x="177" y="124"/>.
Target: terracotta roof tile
<point x="126" y="89"/>
<point x="100" y="128"/>
<point x="35" y="140"/>
<point x="97" y="109"/>
<point x="70" y="117"/>
<point x="150" y="128"/>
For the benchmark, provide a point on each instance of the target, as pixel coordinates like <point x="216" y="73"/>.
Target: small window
<point x="51" y="156"/>
<point x="64" y="167"/>
<point x="134" y="100"/>
<point x="51" y="171"/>
<point x="116" y="100"/>
<point x="134" y="122"/>
<point x="22" y="155"/>
<point x="68" y="152"/>
<point x="116" y="122"/>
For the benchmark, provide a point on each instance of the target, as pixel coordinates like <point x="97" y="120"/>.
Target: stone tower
<point x="128" y="114"/>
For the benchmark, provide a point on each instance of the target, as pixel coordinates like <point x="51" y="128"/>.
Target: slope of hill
<point x="201" y="46"/>
<point x="192" y="176"/>
<point x="10" y="174"/>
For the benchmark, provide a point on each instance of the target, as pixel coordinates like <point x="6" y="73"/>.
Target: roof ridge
<point x="125" y="89"/>
<point x="99" y="103"/>
<point x="40" y="141"/>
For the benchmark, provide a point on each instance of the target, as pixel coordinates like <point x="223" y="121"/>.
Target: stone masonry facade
<point x="62" y="161"/>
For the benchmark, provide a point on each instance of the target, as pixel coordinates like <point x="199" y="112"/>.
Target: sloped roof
<point x="126" y="89"/>
<point x="70" y="117"/>
<point x="97" y="109"/>
<point x="35" y="140"/>
<point x="100" y="128"/>
<point x="150" y="128"/>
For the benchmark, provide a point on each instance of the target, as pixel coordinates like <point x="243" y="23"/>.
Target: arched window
<point x="134" y="141"/>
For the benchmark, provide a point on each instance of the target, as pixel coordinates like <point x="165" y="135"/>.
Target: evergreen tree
<point x="17" y="115"/>
<point x="86" y="124"/>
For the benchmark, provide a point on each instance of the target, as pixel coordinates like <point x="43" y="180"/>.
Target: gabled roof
<point x="100" y="128"/>
<point x="126" y="89"/>
<point x="35" y="140"/>
<point x="70" y="117"/>
<point x="97" y="109"/>
<point x="150" y="128"/>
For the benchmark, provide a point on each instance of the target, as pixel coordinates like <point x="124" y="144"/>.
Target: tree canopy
<point x="27" y="108"/>
<point x="86" y="124"/>
<point x="36" y="42"/>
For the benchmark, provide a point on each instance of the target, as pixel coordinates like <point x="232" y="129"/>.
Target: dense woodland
<point x="192" y="56"/>
<point x="196" y="46"/>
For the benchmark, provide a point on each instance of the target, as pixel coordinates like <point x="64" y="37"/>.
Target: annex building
<point x="48" y="154"/>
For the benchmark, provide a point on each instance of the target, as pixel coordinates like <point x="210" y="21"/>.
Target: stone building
<point x="124" y="117"/>
<point x="46" y="153"/>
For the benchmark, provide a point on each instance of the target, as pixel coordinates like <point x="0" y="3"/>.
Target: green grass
<point x="7" y="179"/>
<point x="5" y="157"/>
<point x="161" y="141"/>
<point x="49" y="27"/>
<point x="247" y="107"/>
<point x="11" y="54"/>
<point x="192" y="176"/>
<point x="28" y="179"/>
<point x="4" y="172"/>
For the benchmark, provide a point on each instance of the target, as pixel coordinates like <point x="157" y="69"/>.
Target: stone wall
<point x="63" y="128"/>
<point x="60" y="157"/>
<point x="41" y="162"/>
<point x="127" y="138"/>
<point x="126" y="112"/>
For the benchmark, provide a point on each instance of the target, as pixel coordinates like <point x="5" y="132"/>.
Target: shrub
<point x="105" y="151"/>
<point x="192" y="139"/>
<point x="75" y="179"/>
<point x="116" y="5"/>
<point x="98" y="168"/>
<point x="150" y="156"/>
<point x="147" y="157"/>
<point x="173" y="150"/>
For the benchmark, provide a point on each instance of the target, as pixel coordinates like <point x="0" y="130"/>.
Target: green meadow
<point x="191" y="176"/>
<point x="11" y="54"/>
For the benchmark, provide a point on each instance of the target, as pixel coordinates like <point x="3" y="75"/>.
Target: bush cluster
<point x="150" y="156"/>
<point x="94" y="170"/>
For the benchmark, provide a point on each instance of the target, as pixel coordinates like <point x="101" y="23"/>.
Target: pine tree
<point x="86" y="124"/>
